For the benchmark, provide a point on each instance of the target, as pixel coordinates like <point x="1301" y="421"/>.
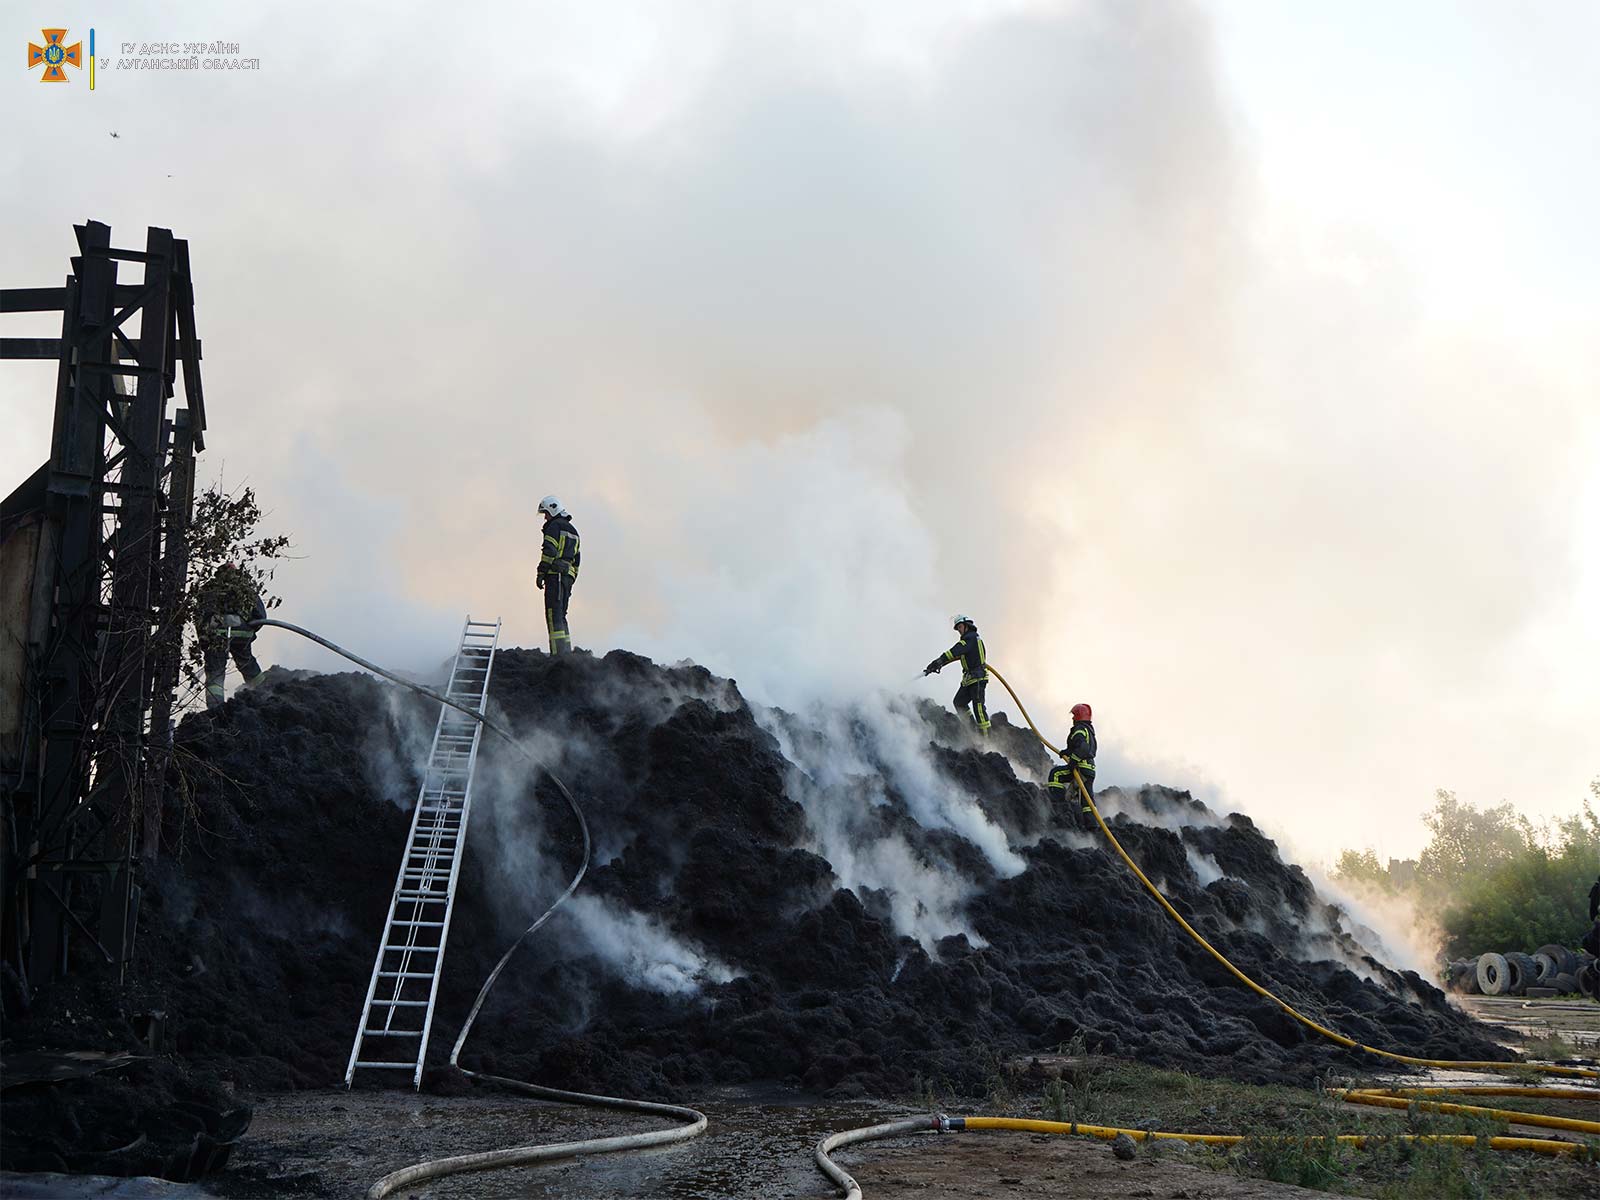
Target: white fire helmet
<point x="961" y="619"/>
<point x="550" y="506"/>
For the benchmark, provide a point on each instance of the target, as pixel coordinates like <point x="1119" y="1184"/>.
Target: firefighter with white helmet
<point x="559" y="559"/>
<point x="974" y="671"/>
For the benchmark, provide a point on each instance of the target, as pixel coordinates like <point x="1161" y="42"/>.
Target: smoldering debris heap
<point x="849" y="899"/>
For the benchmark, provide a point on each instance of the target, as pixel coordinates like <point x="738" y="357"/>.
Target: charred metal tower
<point x="95" y="565"/>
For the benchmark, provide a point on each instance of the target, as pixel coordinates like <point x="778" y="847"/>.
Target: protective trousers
<point x="972" y="693"/>
<point x="1067" y="800"/>
<point x="215" y="655"/>
<point x="557" y="591"/>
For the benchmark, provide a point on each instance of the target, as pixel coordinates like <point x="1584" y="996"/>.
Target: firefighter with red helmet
<point x="1077" y="755"/>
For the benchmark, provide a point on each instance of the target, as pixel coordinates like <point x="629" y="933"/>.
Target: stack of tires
<point x="1549" y="970"/>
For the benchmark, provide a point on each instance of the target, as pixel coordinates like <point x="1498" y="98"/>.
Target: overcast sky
<point x="1236" y="365"/>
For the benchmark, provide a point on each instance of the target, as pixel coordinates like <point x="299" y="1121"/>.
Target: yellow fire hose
<point x="1290" y="1010"/>
<point x="1107" y="1132"/>
<point x="1405" y="1098"/>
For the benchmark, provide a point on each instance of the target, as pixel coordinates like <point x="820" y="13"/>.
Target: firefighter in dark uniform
<point x="558" y="571"/>
<point x="226" y="607"/>
<point x="1078" y="753"/>
<point x="974" y="671"/>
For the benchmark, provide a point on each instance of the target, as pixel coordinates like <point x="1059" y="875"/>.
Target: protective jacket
<point x="1080" y="748"/>
<point x="229" y="591"/>
<point x="969" y="650"/>
<point x="560" y="554"/>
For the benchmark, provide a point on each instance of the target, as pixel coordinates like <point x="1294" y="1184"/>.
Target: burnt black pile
<point x="715" y="943"/>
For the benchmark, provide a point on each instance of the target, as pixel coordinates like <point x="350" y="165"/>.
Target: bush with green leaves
<point x="1496" y="880"/>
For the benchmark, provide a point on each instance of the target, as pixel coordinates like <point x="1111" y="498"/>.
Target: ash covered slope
<point x="843" y="898"/>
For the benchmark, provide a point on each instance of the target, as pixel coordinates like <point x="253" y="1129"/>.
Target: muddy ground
<point x="855" y="901"/>
<point x="758" y="1146"/>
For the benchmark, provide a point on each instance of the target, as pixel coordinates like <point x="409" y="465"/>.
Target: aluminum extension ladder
<point x="398" y="1014"/>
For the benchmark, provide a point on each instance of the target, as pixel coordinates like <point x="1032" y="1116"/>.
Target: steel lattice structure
<point x="95" y="570"/>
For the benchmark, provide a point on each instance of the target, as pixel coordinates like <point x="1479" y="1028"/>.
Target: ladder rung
<point x="433" y="850"/>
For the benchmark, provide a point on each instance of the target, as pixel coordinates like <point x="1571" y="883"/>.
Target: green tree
<point x="1539" y="896"/>
<point x="1361" y="867"/>
<point x="1468" y="841"/>
<point x="1497" y="881"/>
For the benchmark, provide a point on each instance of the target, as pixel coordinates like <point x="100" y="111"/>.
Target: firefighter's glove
<point x="539" y="583"/>
<point x="1066" y="755"/>
<point x="931" y="669"/>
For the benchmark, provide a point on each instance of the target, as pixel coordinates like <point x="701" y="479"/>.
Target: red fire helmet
<point x="1082" y="712"/>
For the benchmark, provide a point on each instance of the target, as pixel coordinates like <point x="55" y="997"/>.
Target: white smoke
<point x="1394" y="929"/>
<point x="1155" y="809"/>
<point x="1205" y="867"/>
<point x="850" y="759"/>
<point x="643" y="951"/>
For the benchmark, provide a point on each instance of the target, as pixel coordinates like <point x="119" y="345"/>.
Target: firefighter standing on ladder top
<point x="558" y="571"/>
<point x="974" y="672"/>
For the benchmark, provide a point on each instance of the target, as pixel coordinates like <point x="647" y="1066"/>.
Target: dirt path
<point x="335" y="1144"/>
<point x="1575" y="1021"/>
<point x="967" y="1165"/>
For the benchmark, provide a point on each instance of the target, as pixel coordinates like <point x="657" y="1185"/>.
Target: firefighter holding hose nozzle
<point x="226" y="609"/>
<point x="974" y="671"/>
<point x="1077" y="754"/>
